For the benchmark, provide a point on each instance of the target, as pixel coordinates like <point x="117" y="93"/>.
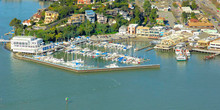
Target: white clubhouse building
<point x="26" y="44"/>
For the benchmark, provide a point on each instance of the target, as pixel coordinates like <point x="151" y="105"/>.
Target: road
<point x="210" y="8"/>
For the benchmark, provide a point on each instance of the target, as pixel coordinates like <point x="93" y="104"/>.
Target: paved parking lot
<point x="168" y="16"/>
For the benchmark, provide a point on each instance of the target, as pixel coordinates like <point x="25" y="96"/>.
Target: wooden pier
<point x="206" y="51"/>
<point x="143" y="48"/>
<point x="213" y="52"/>
<point x="149" y="49"/>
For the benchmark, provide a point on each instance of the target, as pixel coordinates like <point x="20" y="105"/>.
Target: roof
<point x="142" y="27"/>
<point x="186" y="9"/>
<point x="37" y="15"/>
<point x="193" y="20"/>
<point x="160" y="18"/>
<point x="200" y="24"/>
<point x="123" y="27"/>
<point x="26" y="38"/>
<point x="51" y="12"/>
<point x="216" y="41"/>
<point x="27" y="21"/>
<point x="133" y="25"/>
<point x="89" y="11"/>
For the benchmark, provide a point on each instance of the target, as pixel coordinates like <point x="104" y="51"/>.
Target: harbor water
<point x="191" y="85"/>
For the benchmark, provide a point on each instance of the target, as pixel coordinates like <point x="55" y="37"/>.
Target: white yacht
<point x="112" y="66"/>
<point x="181" y="57"/>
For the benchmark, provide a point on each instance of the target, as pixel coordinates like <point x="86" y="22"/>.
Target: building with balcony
<point x="76" y="19"/>
<point x="214" y="45"/>
<point x="50" y="16"/>
<point x="101" y="18"/>
<point x="132" y="28"/>
<point x="90" y="15"/>
<point x="123" y="30"/>
<point x="26" y="44"/>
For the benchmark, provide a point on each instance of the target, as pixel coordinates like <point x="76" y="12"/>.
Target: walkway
<point x="4" y="41"/>
<point x="206" y="51"/>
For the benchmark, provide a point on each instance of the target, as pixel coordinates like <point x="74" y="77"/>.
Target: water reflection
<point x="165" y="55"/>
<point x="181" y="64"/>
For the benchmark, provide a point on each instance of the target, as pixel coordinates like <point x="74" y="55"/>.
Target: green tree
<point x="153" y="15"/>
<point x="137" y="14"/>
<point x="89" y="28"/>
<point x="145" y="20"/>
<point x="15" y="22"/>
<point x="58" y="36"/>
<point x="194" y="5"/>
<point x="175" y="5"/>
<point x="184" y="17"/>
<point x="193" y="15"/>
<point x="185" y="3"/>
<point x="147" y="7"/>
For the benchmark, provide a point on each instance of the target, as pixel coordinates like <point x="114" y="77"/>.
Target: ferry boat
<point x="181" y="57"/>
<point x="179" y="47"/>
<point x="112" y="66"/>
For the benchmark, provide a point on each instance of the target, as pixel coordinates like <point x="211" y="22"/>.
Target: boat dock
<point x="4" y="41"/>
<point x="149" y="49"/>
<point x="143" y="48"/>
<point x="151" y="66"/>
<point x="214" y="53"/>
<point x="206" y="51"/>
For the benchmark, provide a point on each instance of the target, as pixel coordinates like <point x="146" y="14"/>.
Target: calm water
<point x="192" y="85"/>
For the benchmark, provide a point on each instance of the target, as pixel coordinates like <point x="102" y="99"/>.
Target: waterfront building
<point x="123" y="29"/>
<point x="26" y="44"/>
<point x="204" y="43"/>
<point x="160" y="20"/>
<point x="186" y="9"/>
<point x="170" y="41"/>
<point x="27" y="22"/>
<point x="132" y="28"/>
<point x="84" y="2"/>
<point x="101" y="18"/>
<point x="154" y="32"/>
<point x="214" y="45"/>
<point x="90" y="15"/>
<point x="76" y="19"/>
<point x="50" y="16"/>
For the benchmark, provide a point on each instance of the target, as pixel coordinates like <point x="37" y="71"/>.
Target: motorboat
<point x="181" y="57"/>
<point x="114" y="65"/>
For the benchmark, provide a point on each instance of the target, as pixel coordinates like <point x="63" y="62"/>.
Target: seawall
<point x="154" y="66"/>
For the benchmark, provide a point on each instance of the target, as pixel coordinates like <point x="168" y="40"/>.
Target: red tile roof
<point x="193" y="20"/>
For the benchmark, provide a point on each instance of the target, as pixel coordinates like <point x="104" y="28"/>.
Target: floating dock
<point x="206" y="51"/>
<point x="153" y="66"/>
<point x="143" y="47"/>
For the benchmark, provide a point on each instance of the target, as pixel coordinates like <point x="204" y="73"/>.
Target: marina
<point x="92" y="69"/>
<point x="109" y="71"/>
<point x="81" y="54"/>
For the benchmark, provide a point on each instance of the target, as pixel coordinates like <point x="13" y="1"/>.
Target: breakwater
<point x="153" y="66"/>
